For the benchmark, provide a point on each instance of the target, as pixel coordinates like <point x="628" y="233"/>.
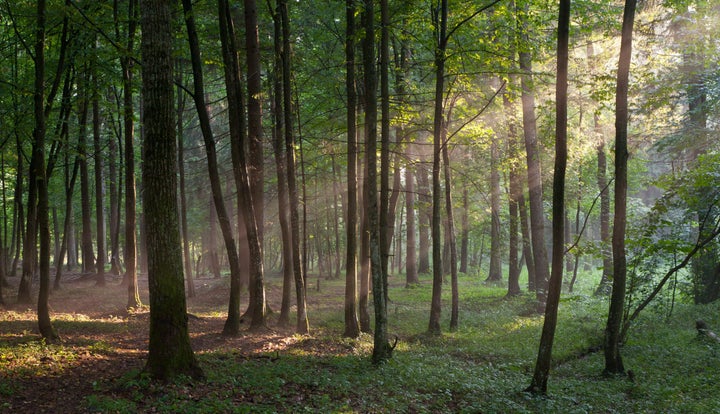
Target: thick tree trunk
<point x="169" y="351"/>
<point x="613" y="360"/>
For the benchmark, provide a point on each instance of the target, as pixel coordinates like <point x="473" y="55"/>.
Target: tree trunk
<point x="133" y="294"/>
<point x="39" y="178"/>
<point x="537" y="216"/>
<point x="604" y="286"/>
<point x="495" y="273"/>
<point x="515" y="190"/>
<point x="381" y="348"/>
<point x="411" y="270"/>
<point x="169" y="351"/>
<point x="70" y="178"/>
<point x="464" y="232"/>
<point x="455" y="308"/>
<point x="114" y="207"/>
<point x="302" y="325"/>
<point x="280" y="168"/>
<point x="613" y="360"/>
<point x="440" y="27"/>
<point x="352" y="327"/>
<point x="232" y="323"/>
<point x="542" y="365"/>
<point x="99" y="213"/>
<point x="424" y="217"/>
<point x="88" y="257"/>
<point x="187" y="259"/>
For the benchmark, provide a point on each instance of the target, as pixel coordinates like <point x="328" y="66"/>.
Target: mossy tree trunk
<point x="169" y="353"/>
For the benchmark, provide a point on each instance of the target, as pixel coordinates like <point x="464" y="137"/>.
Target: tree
<point x="532" y="153"/>
<point x="169" y="352"/>
<point x="99" y="206"/>
<point x="298" y="270"/>
<point x="352" y="327"/>
<point x="611" y="344"/>
<point x="254" y="167"/>
<point x="39" y="179"/>
<point x="382" y="350"/>
<point x="232" y="323"/>
<point x="440" y="27"/>
<point x="130" y="251"/>
<point x="538" y="385"/>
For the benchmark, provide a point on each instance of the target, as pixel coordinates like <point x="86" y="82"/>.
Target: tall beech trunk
<point x="440" y="27"/>
<point x="70" y="178"/>
<point x="253" y="193"/>
<point x="169" y="350"/>
<point x="352" y="323"/>
<point x="278" y="143"/>
<point x="455" y="307"/>
<point x="187" y="259"/>
<point x="532" y="149"/>
<point x="538" y="385"/>
<point x="411" y="270"/>
<point x="613" y="359"/>
<point x="99" y="196"/>
<point x="88" y="257"/>
<point x="39" y="180"/>
<point x="232" y="322"/>
<point x="424" y="216"/>
<point x="515" y="192"/>
<point x="298" y="268"/>
<point x="464" y="231"/>
<point x="495" y="273"/>
<point x="130" y="251"/>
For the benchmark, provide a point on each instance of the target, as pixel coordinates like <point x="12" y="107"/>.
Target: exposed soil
<point x="58" y="384"/>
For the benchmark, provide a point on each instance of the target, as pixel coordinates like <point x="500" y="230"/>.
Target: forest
<point x="503" y="206"/>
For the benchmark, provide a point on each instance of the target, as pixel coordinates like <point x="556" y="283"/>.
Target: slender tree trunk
<point x="424" y="217"/>
<point x="114" y="207"/>
<point x="133" y="294"/>
<point x="70" y="178"/>
<point x="232" y="323"/>
<point x="515" y="190"/>
<point x="455" y="309"/>
<point x="604" y="286"/>
<point x="438" y="125"/>
<point x="537" y="216"/>
<point x="299" y="271"/>
<point x="99" y="207"/>
<point x="41" y="180"/>
<point x="411" y="270"/>
<point x="187" y="259"/>
<point x="464" y="231"/>
<point x="352" y="327"/>
<point x="538" y="384"/>
<point x="495" y="274"/>
<point x="613" y="360"/>
<point x="381" y="348"/>
<point x="88" y="257"/>
<point x="281" y="170"/>
<point x="169" y="351"/>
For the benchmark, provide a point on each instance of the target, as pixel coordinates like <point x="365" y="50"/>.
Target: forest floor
<point x="483" y="367"/>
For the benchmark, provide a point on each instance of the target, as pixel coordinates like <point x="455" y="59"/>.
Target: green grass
<point x="481" y="367"/>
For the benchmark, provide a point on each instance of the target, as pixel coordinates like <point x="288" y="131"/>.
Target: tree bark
<point x="537" y="216"/>
<point x="538" y="384"/>
<point x="232" y="323"/>
<point x="169" y="350"/>
<point x="440" y="24"/>
<point x="99" y="207"/>
<point x="613" y="359"/>
<point x="352" y="323"/>
<point x="130" y="251"/>
<point x="187" y="259"/>
<point x="302" y="325"/>
<point x="495" y="273"/>
<point x="411" y="270"/>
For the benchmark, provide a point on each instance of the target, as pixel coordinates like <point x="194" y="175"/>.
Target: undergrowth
<point x="481" y="367"/>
